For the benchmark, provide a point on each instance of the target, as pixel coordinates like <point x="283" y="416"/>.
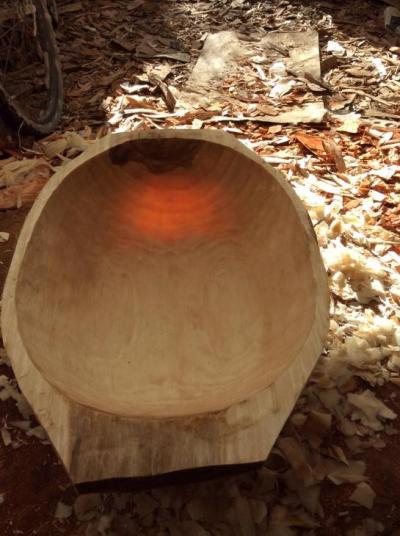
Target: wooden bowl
<point x="165" y="305"/>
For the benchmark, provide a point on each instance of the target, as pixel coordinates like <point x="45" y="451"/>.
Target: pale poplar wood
<point x="165" y="305"/>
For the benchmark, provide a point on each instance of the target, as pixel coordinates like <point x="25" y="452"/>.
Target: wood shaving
<point x="363" y="495"/>
<point x="63" y="511"/>
<point x="370" y="411"/>
<point x="352" y="473"/>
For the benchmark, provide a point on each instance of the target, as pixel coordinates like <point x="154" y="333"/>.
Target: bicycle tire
<point x="49" y="116"/>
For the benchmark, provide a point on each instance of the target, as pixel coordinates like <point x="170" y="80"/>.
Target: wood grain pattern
<point x="166" y="290"/>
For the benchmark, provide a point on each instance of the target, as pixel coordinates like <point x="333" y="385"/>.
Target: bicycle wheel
<point x="30" y="72"/>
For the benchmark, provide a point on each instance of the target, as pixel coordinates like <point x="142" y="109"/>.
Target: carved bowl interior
<point x="166" y="278"/>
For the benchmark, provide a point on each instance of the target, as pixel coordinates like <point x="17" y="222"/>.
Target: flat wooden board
<point x="223" y="55"/>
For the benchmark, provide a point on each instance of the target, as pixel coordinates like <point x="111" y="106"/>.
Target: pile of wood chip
<point x="333" y="128"/>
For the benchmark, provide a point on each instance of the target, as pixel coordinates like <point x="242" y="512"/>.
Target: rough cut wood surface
<point x="165" y="305"/>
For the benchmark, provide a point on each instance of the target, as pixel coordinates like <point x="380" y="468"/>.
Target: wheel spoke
<point x="30" y="74"/>
<point x="23" y="64"/>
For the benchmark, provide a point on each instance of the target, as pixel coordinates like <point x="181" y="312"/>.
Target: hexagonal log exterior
<point x="165" y="305"/>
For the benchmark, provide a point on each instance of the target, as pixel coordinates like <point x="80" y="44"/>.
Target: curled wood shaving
<point x="370" y="411"/>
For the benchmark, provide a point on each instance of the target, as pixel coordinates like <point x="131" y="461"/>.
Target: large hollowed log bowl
<point x="165" y="305"/>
